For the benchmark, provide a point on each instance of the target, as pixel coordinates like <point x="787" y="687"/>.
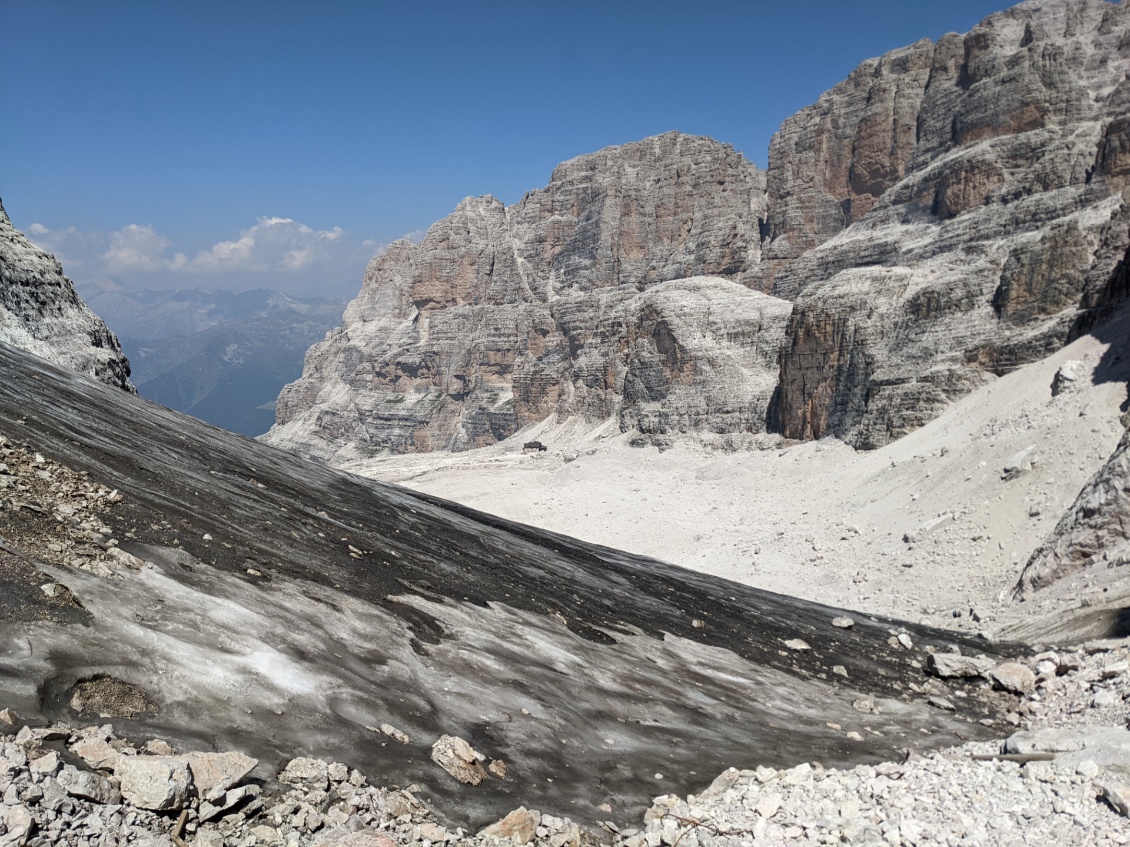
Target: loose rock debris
<point x="1064" y="780"/>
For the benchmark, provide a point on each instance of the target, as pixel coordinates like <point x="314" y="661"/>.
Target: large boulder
<point x="160" y="783"/>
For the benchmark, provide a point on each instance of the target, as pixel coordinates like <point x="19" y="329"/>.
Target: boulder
<point x="1067" y="377"/>
<point x="158" y="783"/>
<point x="214" y="773"/>
<point x="1014" y="677"/>
<point x="458" y="758"/>
<point x="1020" y="463"/>
<point x="520" y="826"/>
<point x="948" y="665"/>
<point x="306" y="771"/>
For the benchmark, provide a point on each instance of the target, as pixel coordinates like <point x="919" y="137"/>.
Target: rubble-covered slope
<point x="239" y="597"/>
<point x="40" y="312"/>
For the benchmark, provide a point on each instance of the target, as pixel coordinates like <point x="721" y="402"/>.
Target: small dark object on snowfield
<point x="534" y="445"/>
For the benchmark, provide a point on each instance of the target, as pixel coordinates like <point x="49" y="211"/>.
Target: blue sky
<point x="279" y="144"/>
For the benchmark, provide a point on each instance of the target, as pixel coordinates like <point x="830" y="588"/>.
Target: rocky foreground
<point x="1064" y="779"/>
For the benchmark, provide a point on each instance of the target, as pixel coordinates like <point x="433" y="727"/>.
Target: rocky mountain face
<point x="40" y="312"/>
<point x="939" y="218"/>
<point x="932" y="222"/>
<point x="622" y="288"/>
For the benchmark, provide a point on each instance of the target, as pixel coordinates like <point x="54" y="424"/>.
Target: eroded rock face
<point x="924" y="261"/>
<point x="40" y="312"/>
<point x="1093" y="533"/>
<point x="568" y="302"/>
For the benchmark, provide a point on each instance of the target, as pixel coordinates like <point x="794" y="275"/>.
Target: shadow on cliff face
<point x="1105" y="314"/>
<point x="1091" y="534"/>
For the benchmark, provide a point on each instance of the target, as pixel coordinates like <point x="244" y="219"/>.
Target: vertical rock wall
<point x="40" y="312"/>
<point x="560" y="304"/>
<point x="977" y="257"/>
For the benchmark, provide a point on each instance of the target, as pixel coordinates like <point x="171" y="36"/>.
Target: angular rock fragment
<point x="88" y="785"/>
<point x="458" y="758"/>
<point x="159" y="783"/>
<point x="1020" y="463"/>
<point x="232" y="797"/>
<point x="17" y="824"/>
<point x="1067" y="377"/>
<point x="1117" y="794"/>
<point x="45" y="765"/>
<point x="214" y="773"/>
<point x="949" y="665"/>
<point x="392" y="732"/>
<point x="96" y="752"/>
<point x="1014" y="677"/>
<point x="520" y="826"/>
<point x="303" y="770"/>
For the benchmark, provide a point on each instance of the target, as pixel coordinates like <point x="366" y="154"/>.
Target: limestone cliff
<point x="940" y="217"/>
<point x="949" y="212"/>
<point x="567" y="302"/>
<point x="40" y="312"/>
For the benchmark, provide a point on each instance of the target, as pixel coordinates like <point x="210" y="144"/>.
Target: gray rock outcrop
<point x="951" y="211"/>
<point x="40" y="312"/>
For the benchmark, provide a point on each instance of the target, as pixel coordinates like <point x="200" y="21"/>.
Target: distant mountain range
<point x="220" y="356"/>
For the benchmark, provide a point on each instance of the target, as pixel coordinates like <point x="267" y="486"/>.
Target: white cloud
<point x="275" y="252"/>
<point x="275" y="243"/>
<point x="137" y="248"/>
